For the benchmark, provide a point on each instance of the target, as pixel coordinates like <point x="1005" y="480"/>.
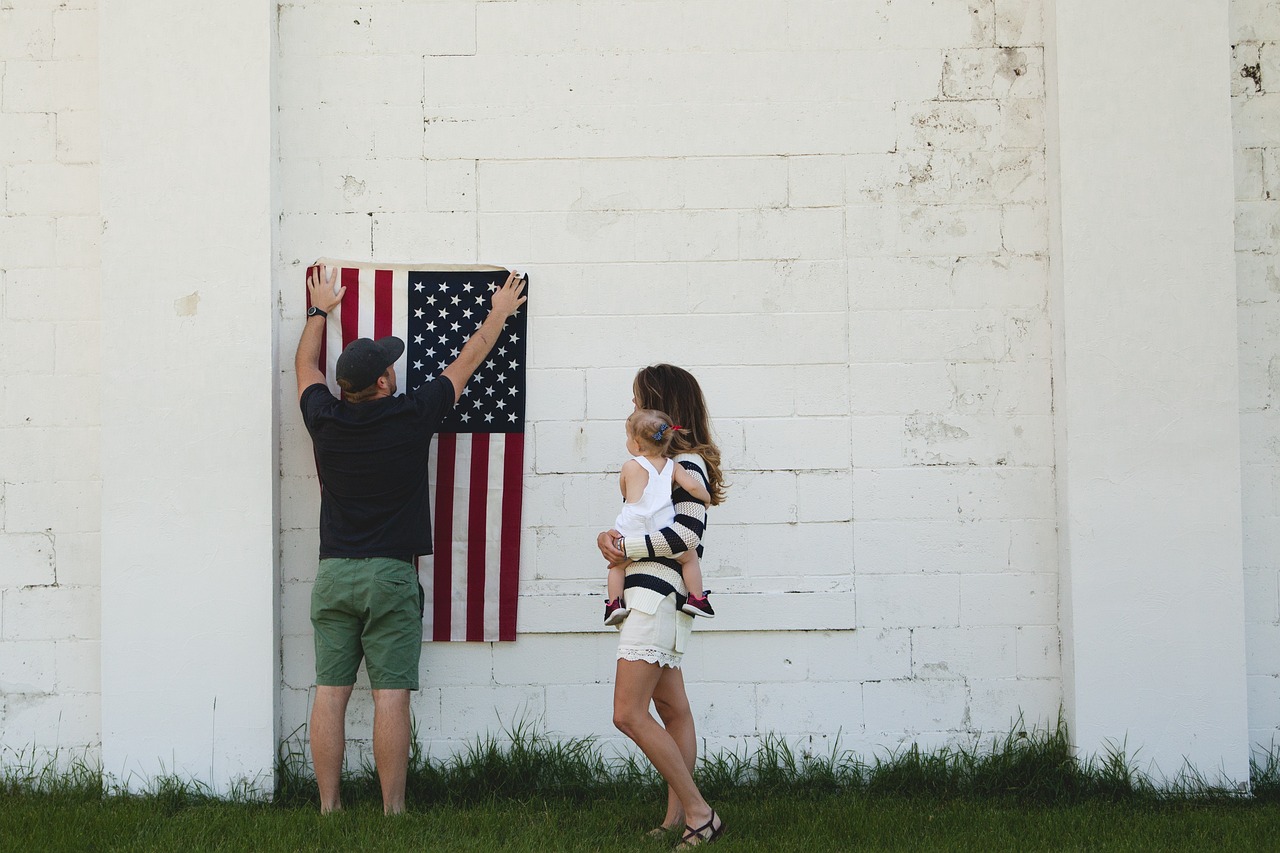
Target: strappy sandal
<point x="704" y="834"/>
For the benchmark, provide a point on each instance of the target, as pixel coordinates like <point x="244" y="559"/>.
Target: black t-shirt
<point x="372" y="459"/>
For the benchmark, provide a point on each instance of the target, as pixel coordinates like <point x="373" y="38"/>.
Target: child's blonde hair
<point x="653" y="430"/>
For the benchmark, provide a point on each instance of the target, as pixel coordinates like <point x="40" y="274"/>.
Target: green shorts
<point x="367" y="608"/>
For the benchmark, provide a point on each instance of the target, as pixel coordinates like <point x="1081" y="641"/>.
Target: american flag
<point x="477" y="463"/>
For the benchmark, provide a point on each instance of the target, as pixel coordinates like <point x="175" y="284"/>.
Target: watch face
<point x="313" y="311"/>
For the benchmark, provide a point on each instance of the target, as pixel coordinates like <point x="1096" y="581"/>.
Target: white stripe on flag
<point x="493" y="533"/>
<point x="461" y="516"/>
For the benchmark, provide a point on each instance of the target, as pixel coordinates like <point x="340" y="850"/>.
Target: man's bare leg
<point x="328" y="741"/>
<point x="391" y="745"/>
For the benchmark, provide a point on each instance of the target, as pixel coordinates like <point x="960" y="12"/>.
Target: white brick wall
<point x="49" y="385"/>
<point x="834" y="213"/>
<point x="1255" y="88"/>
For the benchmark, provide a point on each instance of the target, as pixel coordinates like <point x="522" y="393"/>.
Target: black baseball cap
<point x="364" y="360"/>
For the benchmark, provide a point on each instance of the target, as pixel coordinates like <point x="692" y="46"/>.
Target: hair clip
<point x="657" y="436"/>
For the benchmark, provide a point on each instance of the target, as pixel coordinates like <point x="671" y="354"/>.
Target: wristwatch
<point x="313" y="311"/>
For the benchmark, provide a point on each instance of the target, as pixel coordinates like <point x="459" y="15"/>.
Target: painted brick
<point x="53" y="188"/>
<point x="1009" y="599"/>
<point x="796" y="443"/>
<point x="725" y="707"/>
<point x="760" y="497"/>
<point x="327" y="130"/>
<point x="728" y="182"/>
<point x="923" y="230"/>
<point x="941" y="492"/>
<point x="903" y="547"/>
<point x="63" y="721"/>
<point x="914" y="336"/>
<point x="29" y="241"/>
<point x="728" y="657"/>
<point x="1039" y="652"/>
<point x="968" y="653"/>
<point x="26" y="33"/>
<point x="809" y="707"/>
<point x="703" y="235"/>
<point x="79" y="558"/>
<point x="27" y="667"/>
<point x="78" y="239"/>
<point x="28" y="346"/>
<point x="760" y="340"/>
<point x="299" y="503"/>
<point x="1264" y="710"/>
<point x="27" y="137"/>
<point x="1254" y="20"/>
<point x="298" y="661"/>
<point x="886" y="283"/>
<point x="434" y="29"/>
<point x="545" y="659"/>
<point x="342" y="28"/>
<point x="1025" y="228"/>
<point x="301" y="81"/>
<point x="448" y="237"/>
<point x="44" y="87"/>
<point x="833" y="25"/>
<point x="53" y="505"/>
<point x="815" y="181"/>
<point x="1253" y="118"/>
<point x="447" y="664"/>
<point x="1250" y="179"/>
<point x="812" y="550"/>
<point x="451" y="185"/>
<point x="51" y="613"/>
<point x="971" y="125"/>
<point x="489" y="709"/>
<point x="617" y="131"/>
<point x="75" y="34"/>
<point x="928" y="439"/>
<point x="998" y="706"/>
<point x="901" y="601"/>
<point x="1261" y="542"/>
<point x="914" y="706"/>
<point x="1262" y="647"/>
<point x="824" y="496"/>
<point x="78" y="664"/>
<point x="580" y="710"/>
<point x="26" y="559"/>
<point x="1018" y="22"/>
<point x="862" y="655"/>
<point x="791" y="233"/>
<point x="363" y="185"/>
<point x="52" y="294"/>
<point x="1004" y="72"/>
<point x="304" y="237"/>
<point x="78" y="349"/>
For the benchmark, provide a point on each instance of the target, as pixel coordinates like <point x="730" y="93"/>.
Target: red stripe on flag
<point x="381" y="303"/>
<point x="477" y="519"/>
<point x="509" y="568"/>
<point x="350" y="306"/>
<point x="442" y="582"/>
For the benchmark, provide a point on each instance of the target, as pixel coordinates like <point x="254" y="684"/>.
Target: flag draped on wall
<point x="477" y="463"/>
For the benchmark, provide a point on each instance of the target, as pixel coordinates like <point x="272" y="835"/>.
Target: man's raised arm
<point x="506" y="300"/>
<point x="323" y="300"/>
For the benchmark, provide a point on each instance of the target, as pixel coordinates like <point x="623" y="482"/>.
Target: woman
<point x="652" y="639"/>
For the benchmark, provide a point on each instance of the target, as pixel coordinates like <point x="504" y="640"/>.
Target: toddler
<point x="646" y="482"/>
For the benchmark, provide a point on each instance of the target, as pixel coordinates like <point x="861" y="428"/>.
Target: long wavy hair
<point x="673" y="390"/>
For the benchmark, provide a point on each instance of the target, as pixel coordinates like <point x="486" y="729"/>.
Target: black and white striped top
<point x="655" y="574"/>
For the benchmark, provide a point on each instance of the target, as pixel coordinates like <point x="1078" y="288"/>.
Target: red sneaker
<point x="699" y="606"/>
<point x="615" y="611"/>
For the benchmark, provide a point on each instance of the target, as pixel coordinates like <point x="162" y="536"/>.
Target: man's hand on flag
<point x="323" y="294"/>
<point x="508" y="298"/>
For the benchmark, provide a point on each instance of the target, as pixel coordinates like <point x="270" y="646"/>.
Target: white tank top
<point x="654" y="510"/>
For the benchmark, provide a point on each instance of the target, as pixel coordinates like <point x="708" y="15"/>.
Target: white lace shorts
<point x="655" y="637"/>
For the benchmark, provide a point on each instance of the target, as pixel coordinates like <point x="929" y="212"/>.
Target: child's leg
<point x="617" y="581"/>
<point x="691" y="569"/>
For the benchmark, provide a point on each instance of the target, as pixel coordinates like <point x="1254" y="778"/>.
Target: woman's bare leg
<point x="633" y="689"/>
<point x="672" y="703"/>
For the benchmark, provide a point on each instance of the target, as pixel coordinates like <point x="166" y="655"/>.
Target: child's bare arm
<point x="691" y="484"/>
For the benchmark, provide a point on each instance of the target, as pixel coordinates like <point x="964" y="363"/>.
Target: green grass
<point x="527" y="791"/>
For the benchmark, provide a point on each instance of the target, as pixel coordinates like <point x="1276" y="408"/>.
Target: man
<point x="375" y="517"/>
